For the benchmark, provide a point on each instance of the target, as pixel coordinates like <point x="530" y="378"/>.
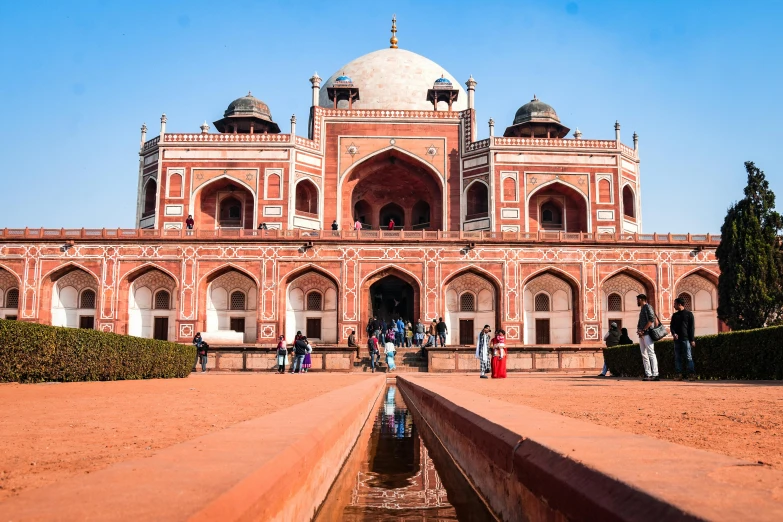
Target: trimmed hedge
<point x="746" y="355"/>
<point x="32" y="352"/>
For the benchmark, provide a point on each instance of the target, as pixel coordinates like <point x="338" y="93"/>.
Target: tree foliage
<point x="749" y="256"/>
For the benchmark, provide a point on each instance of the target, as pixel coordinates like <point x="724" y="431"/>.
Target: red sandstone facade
<point x="532" y="232"/>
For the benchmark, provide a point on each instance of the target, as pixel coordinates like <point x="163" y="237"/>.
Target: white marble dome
<point x="393" y="79"/>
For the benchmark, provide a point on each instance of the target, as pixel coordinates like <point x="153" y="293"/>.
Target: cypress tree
<point x="749" y="256"/>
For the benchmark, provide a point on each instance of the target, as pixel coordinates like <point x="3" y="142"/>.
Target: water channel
<point x="398" y="471"/>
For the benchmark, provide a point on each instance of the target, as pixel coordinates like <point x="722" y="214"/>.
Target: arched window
<point x="541" y="303"/>
<point x="273" y="186"/>
<point x="12" y="298"/>
<point x="604" y="191"/>
<point x="150" y="194"/>
<point x="162" y="300"/>
<point x="306" y="197"/>
<point x="687" y="300"/>
<point x="391" y="212"/>
<point x="551" y="215"/>
<point x="175" y="185"/>
<point x="87" y="299"/>
<point x="467" y="302"/>
<point x="420" y="214"/>
<point x="237" y="301"/>
<point x="509" y="189"/>
<point x="629" y="202"/>
<point x="362" y="211"/>
<point x="477" y="201"/>
<point x="615" y="303"/>
<point x="230" y="212"/>
<point x="314" y="301"/>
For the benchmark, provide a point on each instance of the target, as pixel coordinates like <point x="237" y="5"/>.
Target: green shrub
<point x="32" y="352"/>
<point x="746" y="355"/>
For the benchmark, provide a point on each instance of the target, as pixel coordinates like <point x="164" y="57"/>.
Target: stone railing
<point x="391" y="114"/>
<point x="150" y="144"/>
<point x="556" y="143"/>
<point x="226" y="138"/>
<point x="11" y="234"/>
<point x="478" y="145"/>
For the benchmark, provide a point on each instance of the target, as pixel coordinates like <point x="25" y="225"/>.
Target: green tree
<point x="749" y="256"/>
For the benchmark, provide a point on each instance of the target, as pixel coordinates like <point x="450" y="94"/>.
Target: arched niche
<point x="231" y="303"/>
<point x="558" y="198"/>
<point x="704" y="301"/>
<point x="152" y="311"/>
<point x="311" y="307"/>
<point x="550" y="310"/>
<point x="68" y="285"/>
<point x="471" y="302"/>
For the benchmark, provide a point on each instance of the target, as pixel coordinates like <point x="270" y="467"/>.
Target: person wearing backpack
<point x="612" y="338"/>
<point x="202" y="354"/>
<point x="646" y="321"/>
<point x="372" y="347"/>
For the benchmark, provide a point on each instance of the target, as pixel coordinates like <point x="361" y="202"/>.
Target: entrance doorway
<point x="161" y="329"/>
<point x="237" y="324"/>
<point x="542" y="331"/>
<point x="466" y="331"/>
<point x="390" y="298"/>
<point x="87" y="322"/>
<point x="313" y="328"/>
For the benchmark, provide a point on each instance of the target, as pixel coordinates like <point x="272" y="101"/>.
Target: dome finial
<point x="393" y="40"/>
<point x="535" y="98"/>
<point x="249" y="94"/>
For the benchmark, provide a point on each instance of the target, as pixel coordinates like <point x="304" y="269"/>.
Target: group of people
<point x="682" y="328"/>
<point x="357" y="225"/>
<point x="491" y="353"/>
<point x="300" y="350"/>
<point x="404" y="334"/>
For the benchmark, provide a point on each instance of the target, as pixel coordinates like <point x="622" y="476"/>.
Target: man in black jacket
<point x="683" y="329"/>
<point x="442" y="331"/>
<point x="300" y="350"/>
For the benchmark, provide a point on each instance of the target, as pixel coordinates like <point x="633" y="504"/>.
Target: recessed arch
<point x="476" y="200"/>
<point x="435" y="172"/>
<point x="207" y="217"/>
<point x="227" y="267"/>
<point x="296" y="289"/>
<point x="393" y="272"/>
<point x="136" y="272"/>
<point x="629" y="200"/>
<point x="56" y="273"/>
<point x="647" y="283"/>
<point x="701" y="271"/>
<point x="560" y="185"/>
<point x="14" y="274"/>
<point x="150" y="197"/>
<point x="564" y="319"/>
<point x="307" y="196"/>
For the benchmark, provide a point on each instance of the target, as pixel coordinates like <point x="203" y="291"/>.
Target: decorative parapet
<point x="297" y="234"/>
<point x="151" y="144"/>
<point x="226" y="138"/>
<point x="390" y="114"/>
<point x="478" y="145"/>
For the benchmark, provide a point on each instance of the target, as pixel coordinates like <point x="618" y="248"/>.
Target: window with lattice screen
<point x="237" y="300"/>
<point x="12" y="298"/>
<point x="542" y="303"/>
<point x="615" y="303"/>
<point x="687" y="300"/>
<point x="467" y="302"/>
<point x="314" y="301"/>
<point x="87" y="299"/>
<point x="162" y="300"/>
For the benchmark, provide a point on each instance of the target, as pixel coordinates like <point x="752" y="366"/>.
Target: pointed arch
<point x="216" y="272"/>
<point x="8" y="269"/>
<point x="561" y="320"/>
<point x="389" y="270"/>
<point x="459" y="321"/>
<point x="59" y="271"/>
<point x="701" y="271"/>
<point x="651" y="289"/>
<point x="583" y="199"/>
<point x="304" y="269"/>
<point x="436" y="173"/>
<point x="136" y="272"/>
<point x="322" y="324"/>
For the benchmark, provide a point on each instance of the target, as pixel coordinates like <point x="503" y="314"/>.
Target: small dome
<point x="535" y="110"/>
<point x="248" y="106"/>
<point x="343" y="78"/>
<point x="443" y="80"/>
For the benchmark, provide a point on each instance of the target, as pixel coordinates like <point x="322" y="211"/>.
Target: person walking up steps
<point x="646" y="321"/>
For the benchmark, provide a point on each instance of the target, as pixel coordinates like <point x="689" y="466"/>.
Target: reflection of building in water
<point x="423" y="490"/>
<point x="400" y="473"/>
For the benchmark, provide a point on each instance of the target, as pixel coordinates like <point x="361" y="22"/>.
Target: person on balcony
<point x="391" y="223"/>
<point x="357" y="224"/>
<point x="335" y="226"/>
<point x="189" y="222"/>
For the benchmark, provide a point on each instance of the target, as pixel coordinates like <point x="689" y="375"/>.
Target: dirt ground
<point x="740" y="419"/>
<point x="50" y="432"/>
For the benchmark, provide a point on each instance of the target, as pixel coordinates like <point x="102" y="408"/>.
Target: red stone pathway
<point x="50" y="432"/>
<point x="739" y="419"/>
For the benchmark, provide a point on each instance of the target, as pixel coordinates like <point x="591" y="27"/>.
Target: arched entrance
<point x="699" y="291"/>
<point x="74" y="298"/>
<point x="224" y="203"/>
<point x="152" y="309"/>
<point x="557" y="207"/>
<point x="230" y="313"/>
<point x="390" y="294"/>
<point x="551" y="304"/>
<point x="471" y="302"/>
<point x="9" y="295"/>
<point x="311" y="307"/>
<point x="393" y="177"/>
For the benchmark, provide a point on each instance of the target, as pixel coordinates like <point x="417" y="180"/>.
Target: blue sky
<point x="699" y="82"/>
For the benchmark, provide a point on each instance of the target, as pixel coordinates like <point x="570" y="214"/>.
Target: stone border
<point x="538" y="466"/>
<point x="275" y="467"/>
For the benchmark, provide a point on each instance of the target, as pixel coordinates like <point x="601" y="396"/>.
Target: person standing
<point x="408" y="335"/>
<point x="197" y="340"/>
<point x="335" y="226"/>
<point x="391" y="224"/>
<point x="433" y="331"/>
<point x="442" y="332"/>
<point x="612" y="338"/>
<point x="282" y="355"/>
<point x="307" y="362"/>
<point x="624" y="338"/>
<point x="419" y="333"/>
<point x="483" y="351"/>
<point x="499" y="355"/>
<point x="372" y="347"/>
<point x="400" y="332"/>
<point x="683" y="327"/>
<point x="390" y="351"/>
<point x="189" y="222"/>
<point x="202" y="354"/>
<point x="646" y="321"/>
<point x="300" y="350"/>
<point x="357" y="225"/>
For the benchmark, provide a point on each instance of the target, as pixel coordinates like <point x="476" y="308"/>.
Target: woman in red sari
<point x="499" y="355"/>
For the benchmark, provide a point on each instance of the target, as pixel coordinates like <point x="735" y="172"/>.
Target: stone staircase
<point x="407" y="360"/>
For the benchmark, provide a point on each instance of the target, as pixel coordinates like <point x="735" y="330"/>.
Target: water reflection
<point x="391" y="475"/>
